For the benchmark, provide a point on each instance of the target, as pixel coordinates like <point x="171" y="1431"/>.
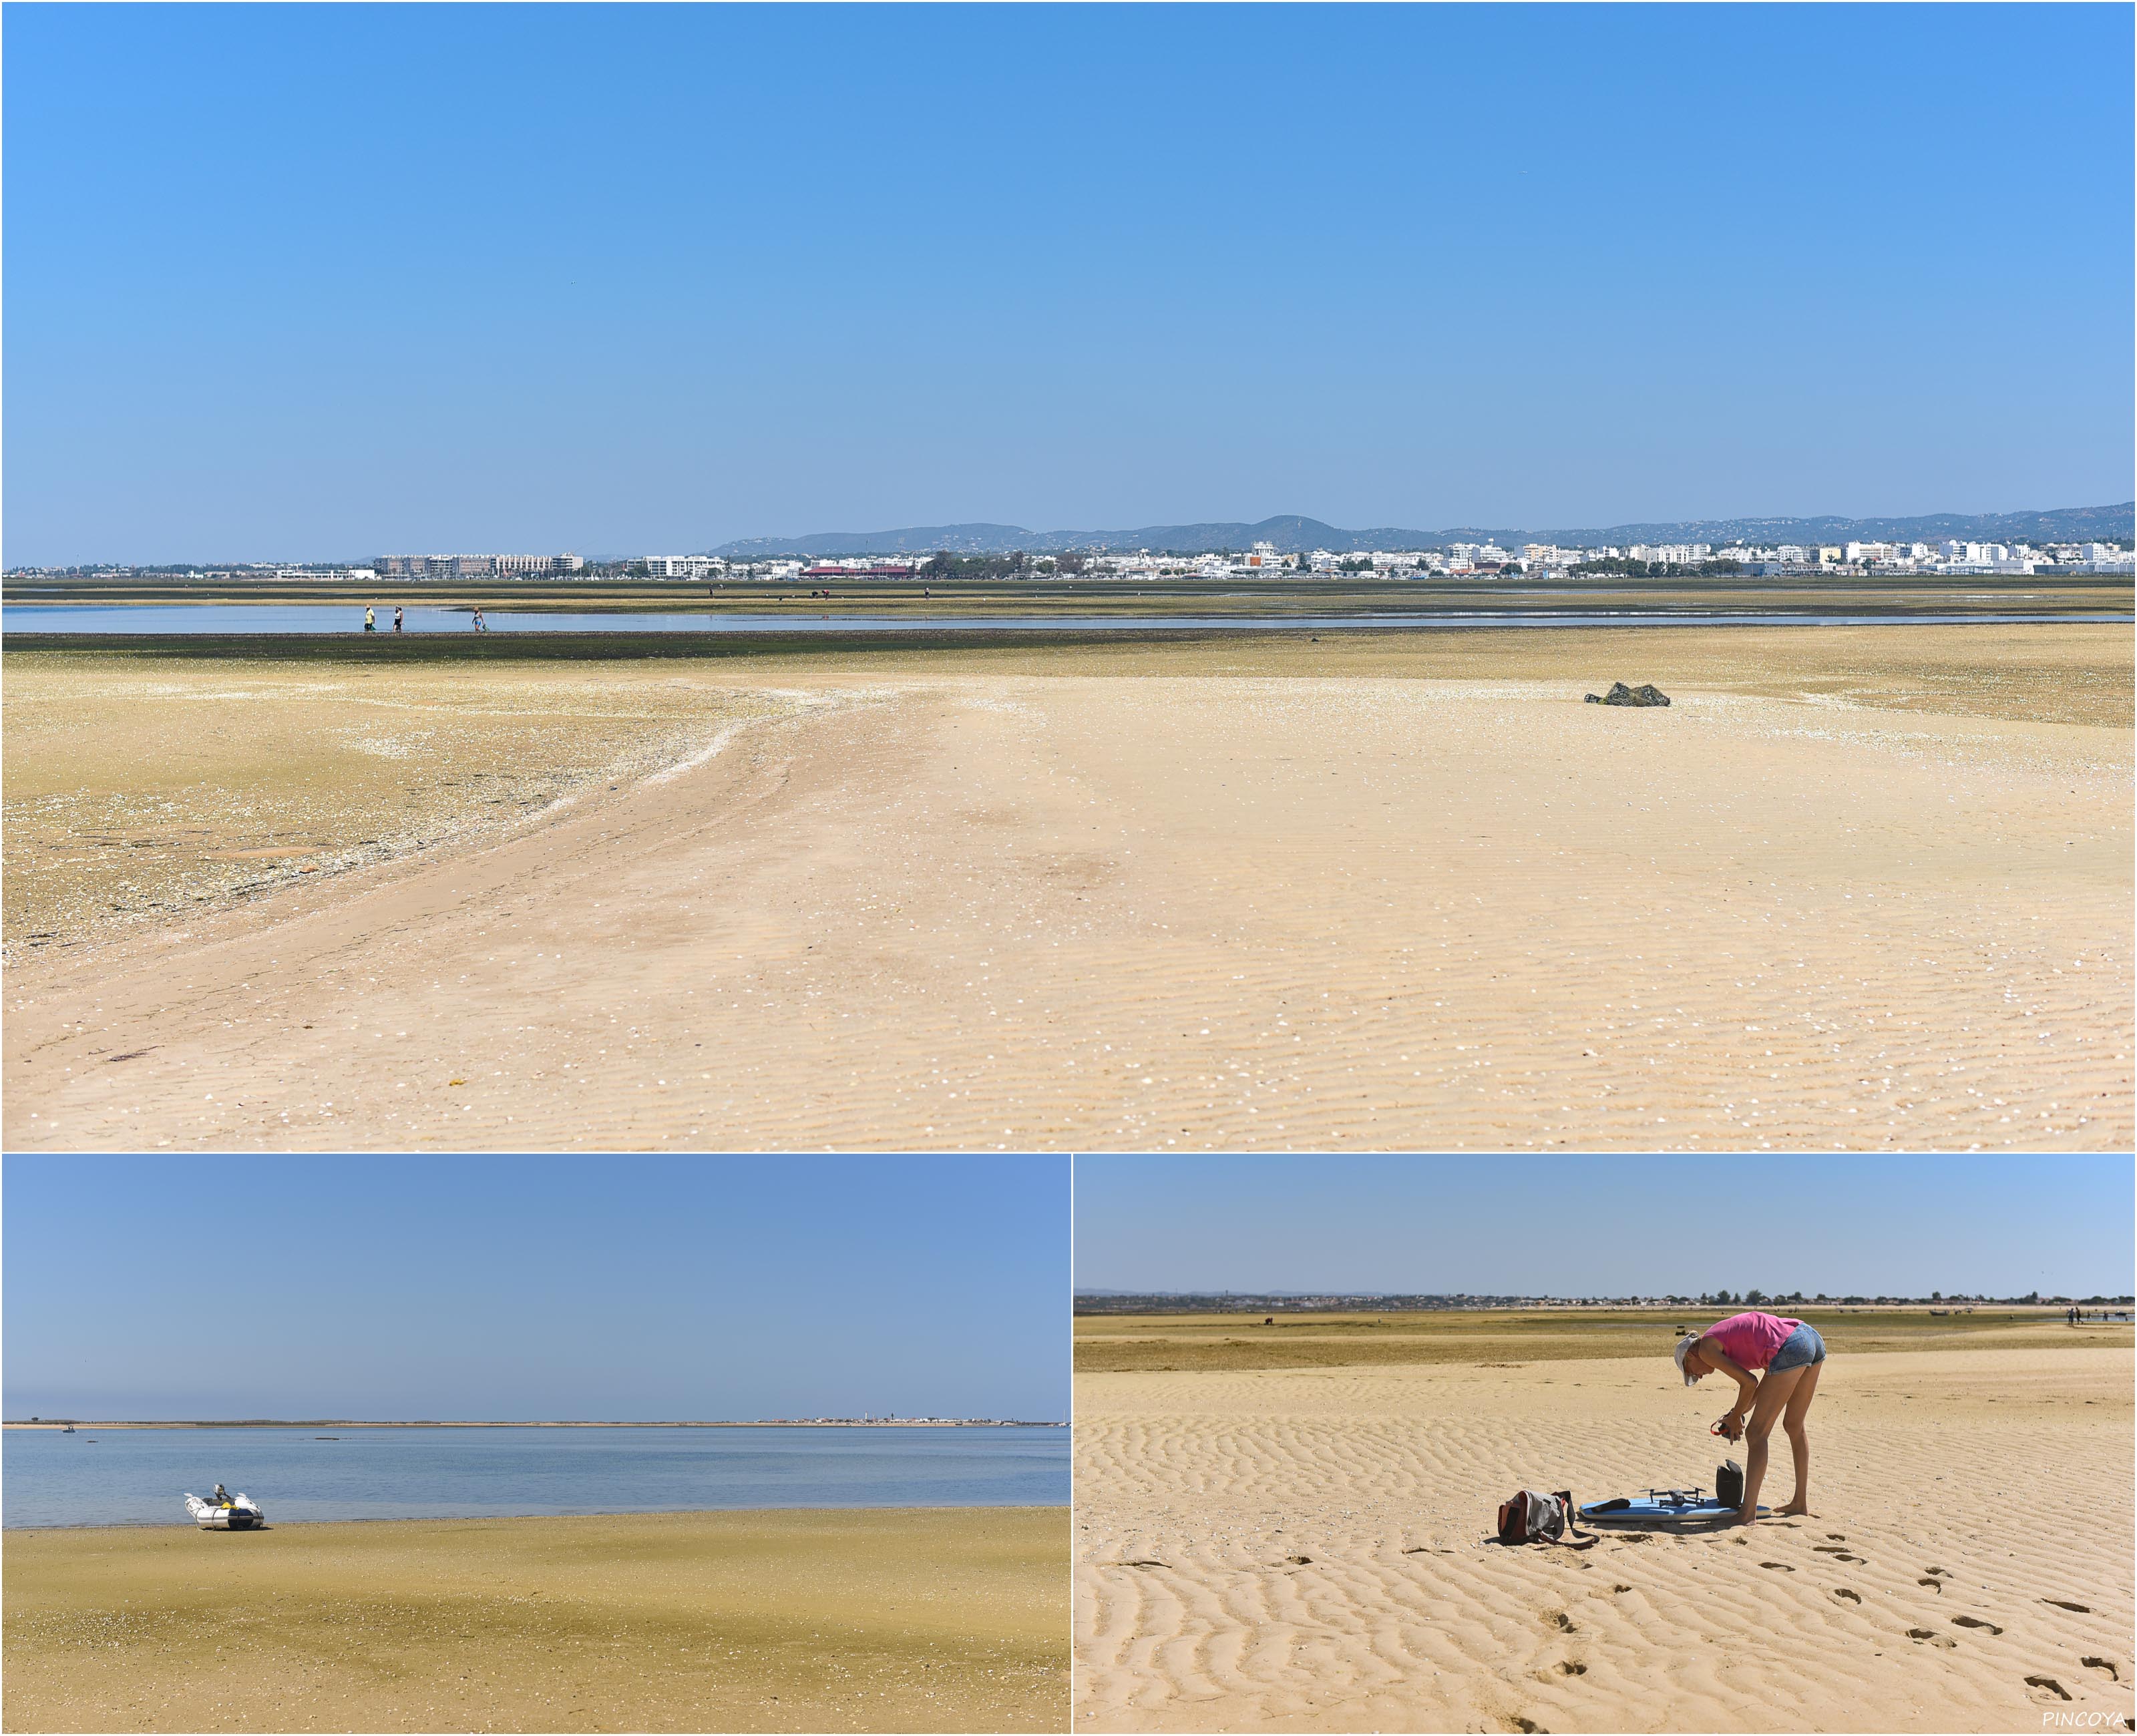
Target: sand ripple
<point x="1305" y="1550"/>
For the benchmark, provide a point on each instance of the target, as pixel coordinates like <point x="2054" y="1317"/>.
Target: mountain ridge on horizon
<point x="1293" y="534"/>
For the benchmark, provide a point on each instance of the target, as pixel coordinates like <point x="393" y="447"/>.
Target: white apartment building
<point x="537" y="563"/>
<point x="688" y="567"/>
<point x="466" y="566"/>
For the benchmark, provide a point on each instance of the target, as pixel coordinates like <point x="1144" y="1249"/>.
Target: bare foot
<point x="1798" y="1509"/>
<point x="1745" y="1516"/>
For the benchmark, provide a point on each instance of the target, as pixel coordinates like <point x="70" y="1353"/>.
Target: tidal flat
<point x="1858" y="887"/>
<point x="871" y="1619"/>
<point x="1192" y="1339"/>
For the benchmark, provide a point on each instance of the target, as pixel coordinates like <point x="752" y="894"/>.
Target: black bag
<point x="1533" y="1518"/>
<point x="1729" y="1483"/>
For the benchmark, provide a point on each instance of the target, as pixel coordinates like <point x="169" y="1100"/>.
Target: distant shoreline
<point x="653" y="1516"/>
<point x="56" y="1425"/>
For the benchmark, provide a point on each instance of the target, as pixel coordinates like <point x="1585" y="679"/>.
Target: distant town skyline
<point x="1411" y="266"/>
<point x="1951" y="535"/>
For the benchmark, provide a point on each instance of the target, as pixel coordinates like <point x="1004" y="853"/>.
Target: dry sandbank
<point x="1856" y="889"/>
<point x="942" y="1619"/>
<point x="1307" y="1549"/>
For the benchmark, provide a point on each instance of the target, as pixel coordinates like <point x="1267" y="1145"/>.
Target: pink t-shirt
<point x="1749" y="1341"/>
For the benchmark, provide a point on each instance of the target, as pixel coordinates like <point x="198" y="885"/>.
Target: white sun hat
<point x="1684" y="1349"/>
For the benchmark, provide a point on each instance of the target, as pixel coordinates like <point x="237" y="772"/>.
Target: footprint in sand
<point x="1782" y="1565"/>
<point x="1621" y="1587"/>
<point x="1841" y="1591"/>
<point x="1565" y="1623"/>
<point x="2113" y="1675"/>
<point x="1835" y="1537"/>
<point x="1528" y="1727"/>
<point x="1934" y="1639"/>
<point x="1165" y="1564"/>
<point x="1939" y="1571"/>
<point x="1573" y="1670"/>
<point x="2047" y="1685"/>
<point x="1975" y="1621"/>
<point x="2080" y="1609"/>
<point x="1299" y="1561"/>
<point x="1934" y="1585"/>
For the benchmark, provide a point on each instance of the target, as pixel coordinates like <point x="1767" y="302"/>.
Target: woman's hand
<point x="1731" y="1427"/>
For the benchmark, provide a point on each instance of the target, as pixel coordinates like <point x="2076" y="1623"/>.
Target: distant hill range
<point x="1292" y="535"/>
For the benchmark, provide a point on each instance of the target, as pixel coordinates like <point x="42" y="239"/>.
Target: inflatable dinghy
<point x="234" y="1513"/>
<point x="1661" y="1509"/>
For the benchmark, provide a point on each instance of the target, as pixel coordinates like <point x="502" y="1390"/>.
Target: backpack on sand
<point x="1533" y="1518"/>
<point x="1729" y="1483"/>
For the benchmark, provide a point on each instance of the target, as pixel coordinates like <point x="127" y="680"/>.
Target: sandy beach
<point x="1862" y="888"/>
<point x="908" y="1619"/>
<point x="1306" y="1548"/>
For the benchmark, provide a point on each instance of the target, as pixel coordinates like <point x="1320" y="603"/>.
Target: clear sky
<point x="1608" y="1226"/>
<point x="327" y="281"/>
<point x="533" y="1288"/>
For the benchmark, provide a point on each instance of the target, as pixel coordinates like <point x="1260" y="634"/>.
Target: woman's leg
<point x="1792" y="1420"/>
<point x="1774" y="1392"/>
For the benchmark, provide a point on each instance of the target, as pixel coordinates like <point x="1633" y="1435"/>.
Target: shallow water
<point x="139" y="1477"/>
<point x="210" y="619"/>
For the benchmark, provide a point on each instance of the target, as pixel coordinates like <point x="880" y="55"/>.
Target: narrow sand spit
<point x="1306" y="1550"/>
<point x="1221" y="911"/>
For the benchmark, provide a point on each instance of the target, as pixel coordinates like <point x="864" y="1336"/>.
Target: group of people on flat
<point x="371" y="620"/>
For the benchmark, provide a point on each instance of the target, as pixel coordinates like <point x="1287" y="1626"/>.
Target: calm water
<point x="138" y="1476"/>
<point x="240" y="618"/>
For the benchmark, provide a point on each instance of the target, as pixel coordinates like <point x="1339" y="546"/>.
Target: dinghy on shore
<point x="231" y="1513"/>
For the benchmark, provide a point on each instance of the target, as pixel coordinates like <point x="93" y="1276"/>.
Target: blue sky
<point x="322" y="282"/>
<point x="530" y="1288"/>
<point x="1616" y="1226"/>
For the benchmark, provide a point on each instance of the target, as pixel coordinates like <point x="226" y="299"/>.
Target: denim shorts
<point x="1800" y="1347"/>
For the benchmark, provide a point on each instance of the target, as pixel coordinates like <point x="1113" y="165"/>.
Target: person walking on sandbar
<point x="370" y="620"/>
<point x="1791" y="1353"/>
